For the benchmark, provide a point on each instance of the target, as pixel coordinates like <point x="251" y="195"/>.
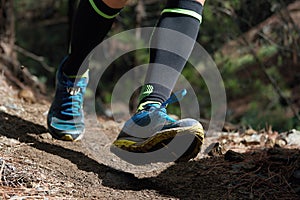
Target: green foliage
<point x="259" y="117"/>
<point x="267" y="50"/>
<point x="217" y="22"/>
<point x="41" y="29"/>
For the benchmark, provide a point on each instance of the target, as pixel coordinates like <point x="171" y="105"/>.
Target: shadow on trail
<point x="23" y="131"/>
<point x="211" y="178"/>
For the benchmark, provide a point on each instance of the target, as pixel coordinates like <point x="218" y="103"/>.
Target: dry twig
<point x="1" y="170"/>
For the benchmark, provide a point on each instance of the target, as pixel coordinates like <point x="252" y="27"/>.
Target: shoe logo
<point x="73" y="90"/>
<point x="146" y="91"/>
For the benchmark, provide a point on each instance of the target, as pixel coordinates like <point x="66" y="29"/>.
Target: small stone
<point x="216" y="150"/>
<point x="27" y="95"/>
<point x="234" y="156"/>
<point x="46" y="136"/>
<point x="291" y="137"/>
<point x="250" y="131"/>
<point x="280" y="142"/>
<point x="252" y="139"/>
<point x="3" y="109"/>
<point x="9" y="142"/>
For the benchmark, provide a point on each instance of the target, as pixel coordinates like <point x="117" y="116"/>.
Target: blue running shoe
<point x="151" y="135"/>
<point x="65" y="117"/>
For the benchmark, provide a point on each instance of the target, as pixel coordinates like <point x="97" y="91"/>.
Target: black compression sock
<point x="184" y="17"/>
<point x="92" y="22"/>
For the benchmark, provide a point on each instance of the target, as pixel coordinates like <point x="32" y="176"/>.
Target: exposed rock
<point x="234" y="156"/>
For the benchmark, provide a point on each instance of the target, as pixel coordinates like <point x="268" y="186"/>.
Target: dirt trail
<point x="35" y="166"/>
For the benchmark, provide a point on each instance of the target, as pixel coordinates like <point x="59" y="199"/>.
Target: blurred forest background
<point x="254" y="43"/>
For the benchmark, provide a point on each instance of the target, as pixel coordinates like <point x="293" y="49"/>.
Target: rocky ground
<point x="240" y="164"/>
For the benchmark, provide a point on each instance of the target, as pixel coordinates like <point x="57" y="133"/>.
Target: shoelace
<point x="175" y="97"/>
<point x="72" y="102"/>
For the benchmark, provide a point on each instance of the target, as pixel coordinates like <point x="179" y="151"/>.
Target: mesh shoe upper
<point x="151" y="135"/>
<point x="65" y="117"/>
<point x="153" y="118"/>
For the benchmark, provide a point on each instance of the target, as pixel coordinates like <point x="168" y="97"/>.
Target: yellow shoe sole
<point x="187" y="146"/>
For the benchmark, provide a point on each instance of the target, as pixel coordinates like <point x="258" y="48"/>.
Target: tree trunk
<point x="7" y="30"/>
<point x="14" y="73"/>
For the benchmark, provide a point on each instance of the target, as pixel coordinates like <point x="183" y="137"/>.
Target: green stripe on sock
<point x="184" y="12"/>
<point x="146" y="91"/>
<point x="100" y="12"/>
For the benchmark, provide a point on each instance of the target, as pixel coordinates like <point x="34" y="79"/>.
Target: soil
<point x="33" y="165"/>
